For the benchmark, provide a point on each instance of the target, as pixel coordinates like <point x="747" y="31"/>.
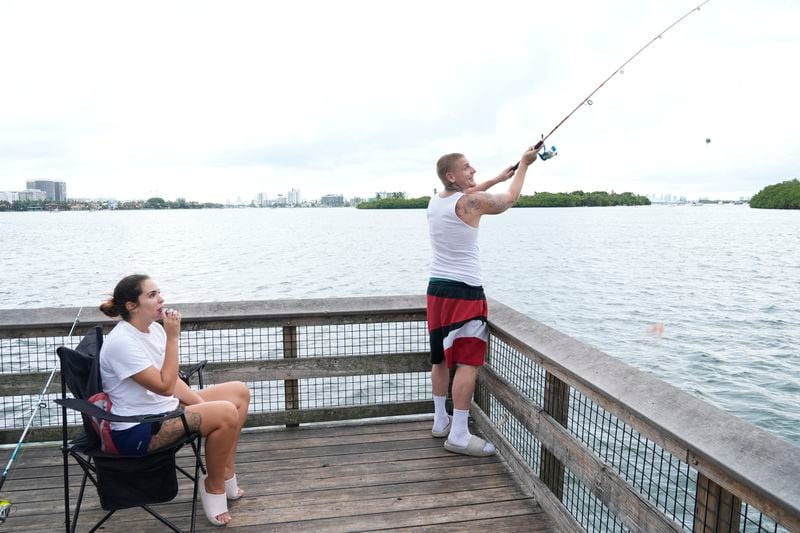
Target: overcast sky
<point x="214" y="101"/>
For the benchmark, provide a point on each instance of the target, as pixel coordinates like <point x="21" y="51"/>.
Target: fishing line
<point x="5" y="505"/>
<point x="546" y="154"/>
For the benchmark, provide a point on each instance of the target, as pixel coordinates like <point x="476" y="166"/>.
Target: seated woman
<point x="139" y="370"/>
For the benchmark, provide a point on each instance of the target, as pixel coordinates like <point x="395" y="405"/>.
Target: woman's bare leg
<point x="218" y="422"/>
<point x="237" y="393"/>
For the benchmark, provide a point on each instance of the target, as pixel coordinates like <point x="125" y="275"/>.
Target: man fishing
<point x="456" y="303"/>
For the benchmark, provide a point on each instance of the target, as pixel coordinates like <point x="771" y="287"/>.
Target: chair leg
<point x="101" y="522"/>
<point x="87" y="467"/>
<point x="78" y="503"/>
<point x="198" y="464"/>
<point x="161" y="519"/>
<point x="65" y="453"/>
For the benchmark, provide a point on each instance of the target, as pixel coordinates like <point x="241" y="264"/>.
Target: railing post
<point x="290" y="386"/>
<point x="556" y="404"/>
<point x="715" y="509"/>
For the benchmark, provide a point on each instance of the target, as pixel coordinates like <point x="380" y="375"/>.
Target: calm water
<point x="724" y="280"/>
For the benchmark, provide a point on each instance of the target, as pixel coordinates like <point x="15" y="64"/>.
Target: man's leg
<point x="463" y="390"/>
<point x="440" y="379"/>
<point x="464" y="386"/>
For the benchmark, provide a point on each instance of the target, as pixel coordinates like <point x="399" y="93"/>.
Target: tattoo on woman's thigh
<point x="193" y="420"/>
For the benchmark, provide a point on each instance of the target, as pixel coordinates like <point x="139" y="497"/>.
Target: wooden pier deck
<point x="387" y="475"/>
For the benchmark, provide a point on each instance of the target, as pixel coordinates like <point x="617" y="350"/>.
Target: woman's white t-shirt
<point x="127" y="351"/>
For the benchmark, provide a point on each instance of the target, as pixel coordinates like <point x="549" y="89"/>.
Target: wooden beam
<point x="556" y="404"/>
<point x="715" y="509"/>
<point x="56" y="321"/>
<point x="635" y="511"/>
<point x="31" y="383"/>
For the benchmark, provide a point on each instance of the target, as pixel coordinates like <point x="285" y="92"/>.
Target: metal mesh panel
<point x="22" y="355"/>
<point x="34" y="354"/>
<point x="359" y="390"/>
<point x="663" y="479"/>
<point x="669" y="483"/>
<point x="17" y="410"/>
<point x="587" y="509"/>
<point x="235" y="344"/>
<point x="753" y="521"/>
<point x="519" y="370"/>
<point x="267" y="396"/>
<point x="362" y="339"/>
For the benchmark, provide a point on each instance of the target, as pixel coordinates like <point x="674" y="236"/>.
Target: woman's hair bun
<point x="109" y="308"/>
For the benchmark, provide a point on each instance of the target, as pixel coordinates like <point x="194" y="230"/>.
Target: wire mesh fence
<point x="665" y="481"/>
<point x="242" y="344"/>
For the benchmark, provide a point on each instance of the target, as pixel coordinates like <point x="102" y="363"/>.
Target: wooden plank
<point x="28" y="323"/>
<point x="507" y="524"/>
<point x="402" y="479"/>
<point x="31" y="383"/>
<point x="635" y="511"/>
<point x="328" y="414"/>
<point x="318" y="367"/>
<point x="440" y="514"/>
<point x="727" y="449"/>
<point x="38" y="454"/>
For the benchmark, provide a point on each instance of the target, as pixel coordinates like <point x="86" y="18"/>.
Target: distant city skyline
<point x="56" y="191"/>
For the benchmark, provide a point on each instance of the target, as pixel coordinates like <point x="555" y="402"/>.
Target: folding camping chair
<point x="122" y="481"/>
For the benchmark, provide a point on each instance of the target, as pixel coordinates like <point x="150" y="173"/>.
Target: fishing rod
<point x="5" y="505"/>
<point x="546" y="154"/>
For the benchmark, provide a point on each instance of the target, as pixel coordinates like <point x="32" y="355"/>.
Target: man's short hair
<point x="445" y="164"/>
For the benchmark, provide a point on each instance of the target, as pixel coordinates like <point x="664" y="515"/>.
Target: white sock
<point x="440" y="418"/>
<point x="459" y="432"/>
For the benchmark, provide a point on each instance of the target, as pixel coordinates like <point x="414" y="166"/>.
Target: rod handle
<point x="537" y="147"/>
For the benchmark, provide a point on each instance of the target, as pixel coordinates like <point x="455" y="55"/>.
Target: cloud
<point x="225" y="100"/>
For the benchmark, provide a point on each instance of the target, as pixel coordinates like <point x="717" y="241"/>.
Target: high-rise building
<point x="9" y="196"/>
<point x="31" y="195"/>
<point x="294" y="197"/>
<point x="53" y="190"/>
<point x="332" y="200"/>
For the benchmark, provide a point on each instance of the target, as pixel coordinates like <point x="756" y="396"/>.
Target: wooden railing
<point x="603" y="446"/>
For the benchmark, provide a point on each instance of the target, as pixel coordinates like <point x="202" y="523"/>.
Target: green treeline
<point x="785" y="195"/>
<point x="581" y="199"/>
<point x="84" y="205"/>
<point x="396" y="203"/>
<point x="540" y="199"/>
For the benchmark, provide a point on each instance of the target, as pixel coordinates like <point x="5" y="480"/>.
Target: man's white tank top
<point x="454" y="242"/>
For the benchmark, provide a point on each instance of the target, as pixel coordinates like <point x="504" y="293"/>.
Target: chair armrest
<point x="187" y="374"/>
<point x="90" y="409"/>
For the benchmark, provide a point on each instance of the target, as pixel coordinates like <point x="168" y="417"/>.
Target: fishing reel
<point x="5" y="510"/>
<point x="546" y="154"/>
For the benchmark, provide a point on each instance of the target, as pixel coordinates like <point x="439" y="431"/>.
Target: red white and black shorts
<point x="457" y="323"/>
